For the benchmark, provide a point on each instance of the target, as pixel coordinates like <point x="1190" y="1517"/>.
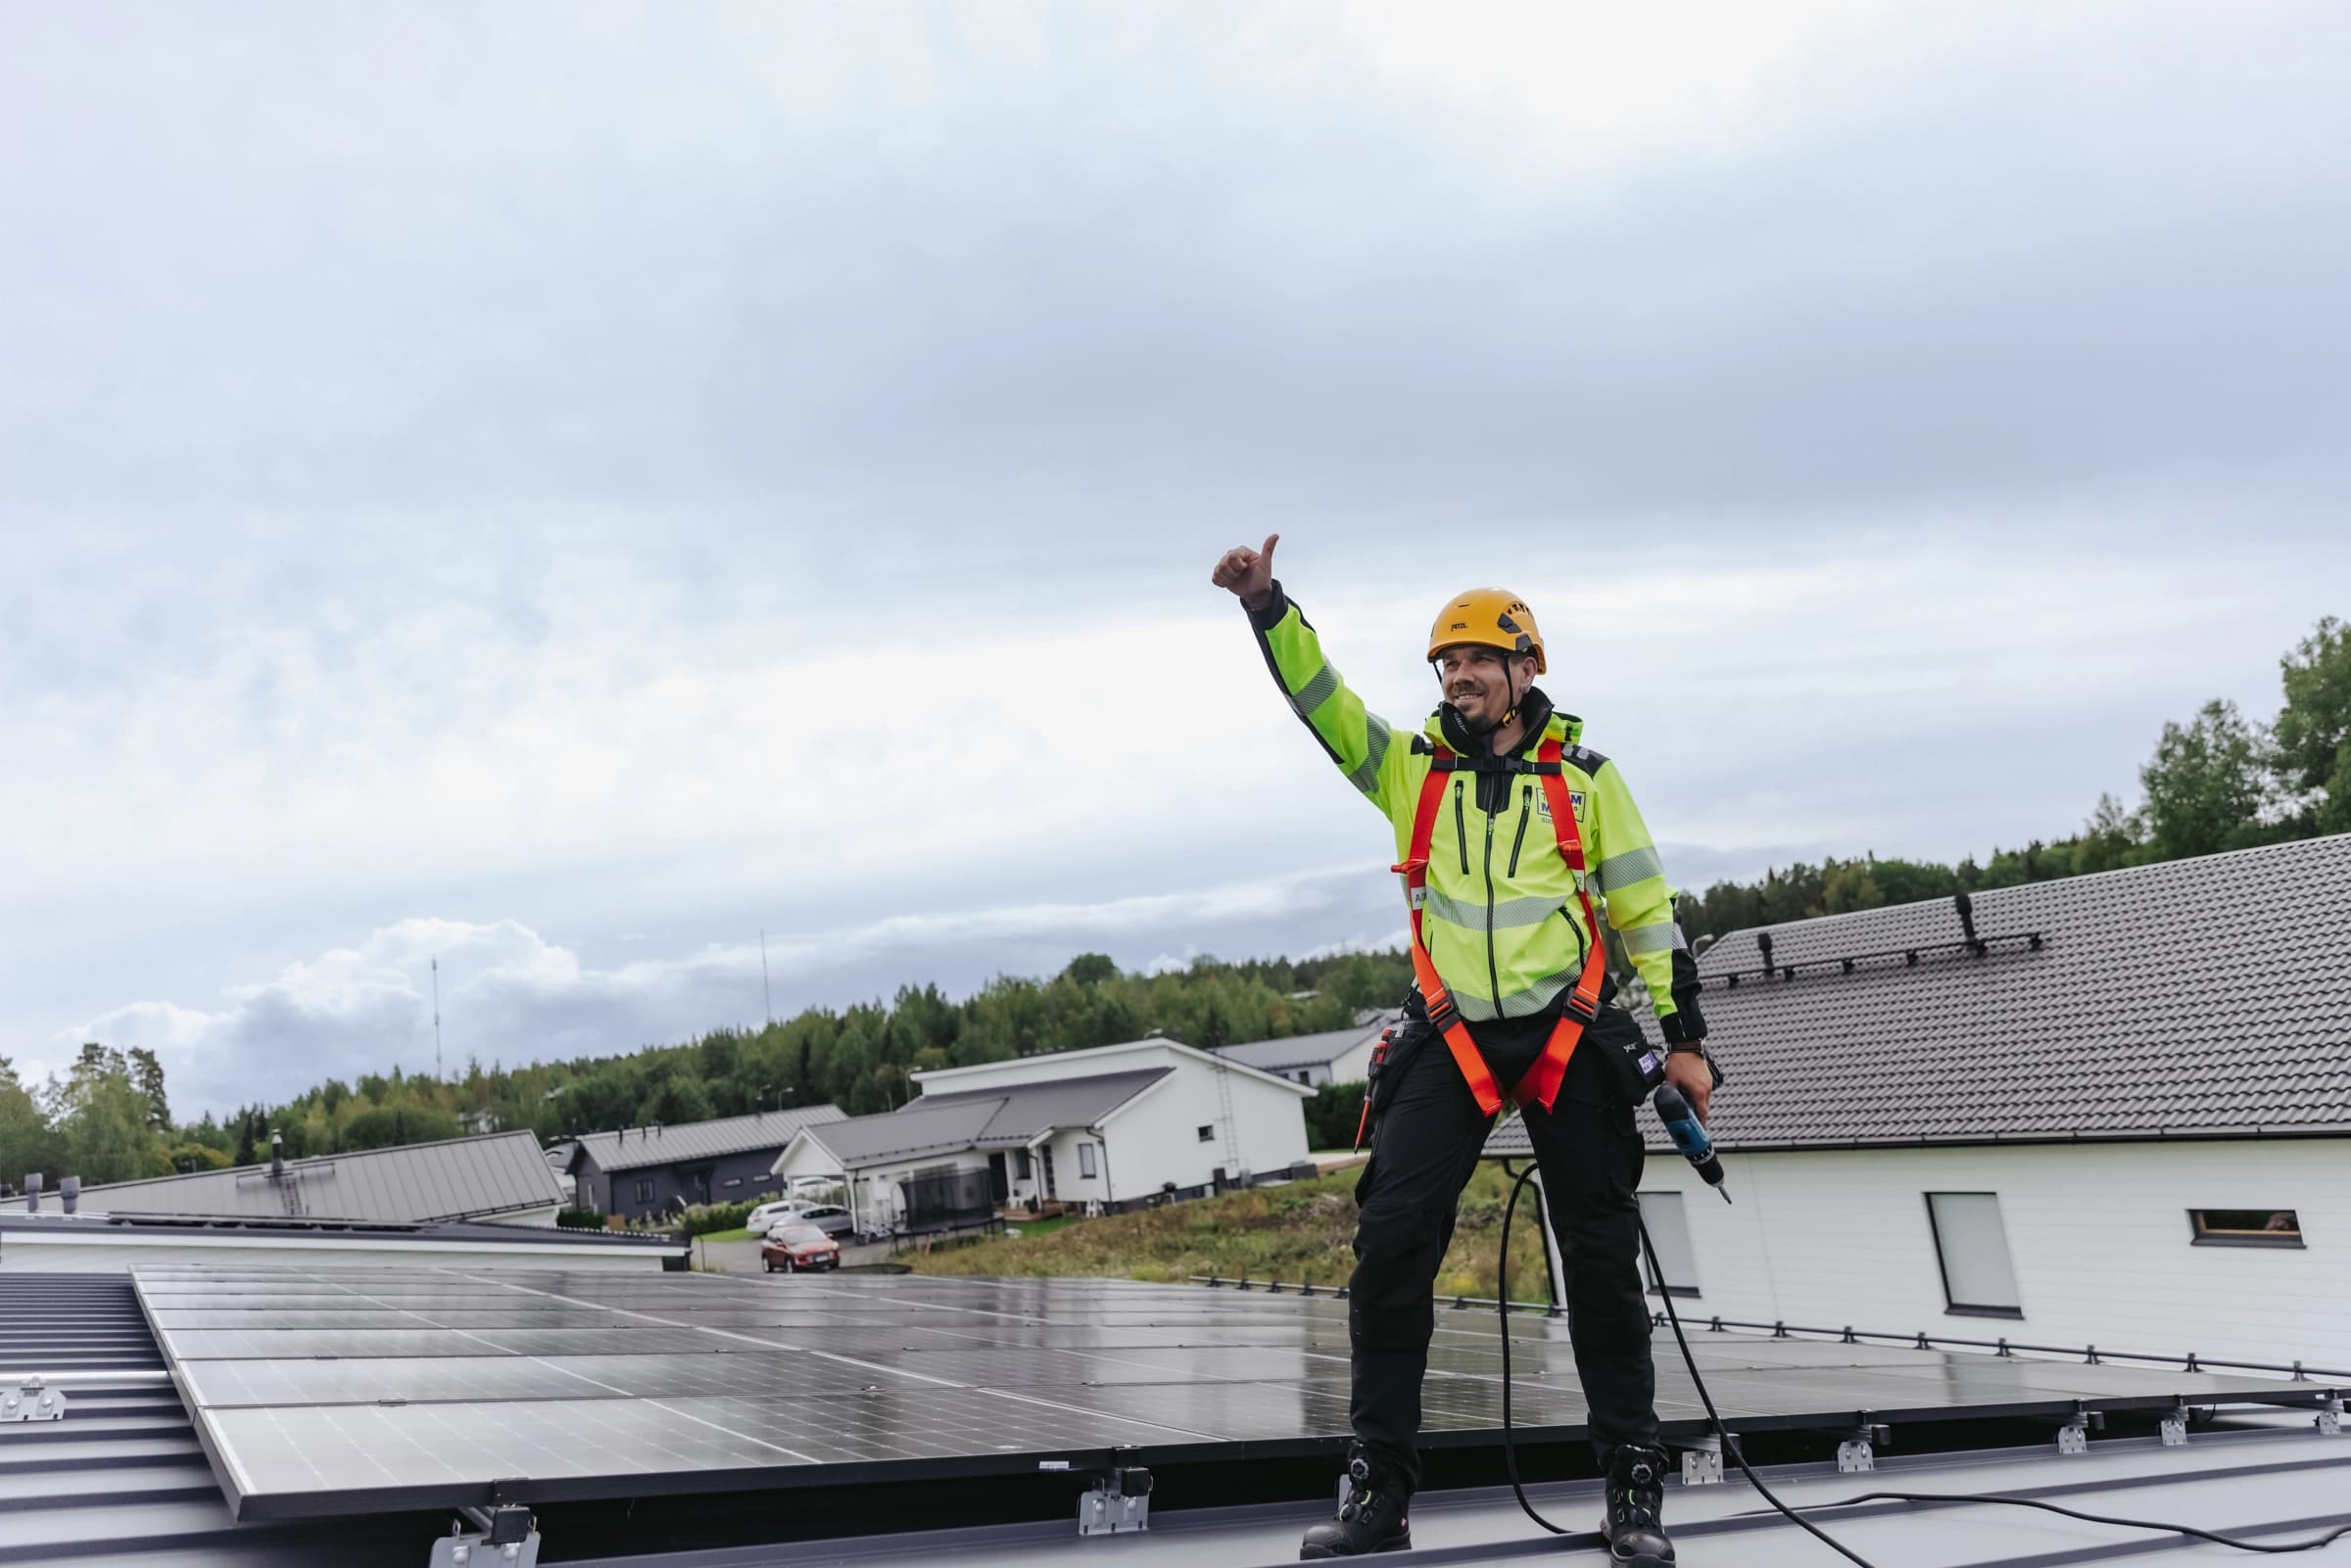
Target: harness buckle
<point x="1441" y="1013"/>
<point x="1577" y="1008"/>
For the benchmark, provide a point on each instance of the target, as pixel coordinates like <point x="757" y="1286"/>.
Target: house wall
<point x="1155" y="1139"/>
<point x="806" y="1156"/>
<point x="2098" y="1234"/>
<point x="1353" y="1064"/>
<point x="733" y="1178"/>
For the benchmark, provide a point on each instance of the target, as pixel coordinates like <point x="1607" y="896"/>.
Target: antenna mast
<point x="764" y="993"/>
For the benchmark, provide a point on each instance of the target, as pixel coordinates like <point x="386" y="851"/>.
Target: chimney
<point x="32" y="1192"/>
<point x="68" y="1193"/>
<point x="277" y="1153"/>
<point x="1763" y="943"/>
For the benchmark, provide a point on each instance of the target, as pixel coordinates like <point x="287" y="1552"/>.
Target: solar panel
<point x="321" y="1392"/>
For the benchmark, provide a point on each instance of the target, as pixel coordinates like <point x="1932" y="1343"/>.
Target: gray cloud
<point x="462" y="467"/>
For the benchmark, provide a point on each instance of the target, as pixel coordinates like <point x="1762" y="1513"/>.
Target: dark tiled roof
<point x="635" y="1148"/>
<point x="2205" y="996"/>
<point x="455" y="1178"/>
<point x="1302" y="1050"/>
<point x="982" y="1119"/>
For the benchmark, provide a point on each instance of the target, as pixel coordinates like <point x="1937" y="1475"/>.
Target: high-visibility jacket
<point x="1501" y="916"/>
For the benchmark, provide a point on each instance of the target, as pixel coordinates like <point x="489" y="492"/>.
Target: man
<point x="1512" y="977"/>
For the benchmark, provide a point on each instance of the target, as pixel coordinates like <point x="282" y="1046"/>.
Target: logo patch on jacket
<point x="1575" y="803"/>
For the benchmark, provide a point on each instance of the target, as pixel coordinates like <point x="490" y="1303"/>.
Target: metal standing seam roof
<point x="1009" y="1118"/>
<point x="2203" y="997"/>
<point x="453" y="1179"/>
<point x="636" y="1148"/>
<point x="1301" y="1050"/>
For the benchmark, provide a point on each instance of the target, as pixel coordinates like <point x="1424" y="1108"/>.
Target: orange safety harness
<point x="1540" y="1085"/>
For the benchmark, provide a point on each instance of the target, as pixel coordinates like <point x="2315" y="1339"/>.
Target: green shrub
<point x="700" y="1219"/>
<point x="1333" y="1115"/>
<point x="580" y="1219"/>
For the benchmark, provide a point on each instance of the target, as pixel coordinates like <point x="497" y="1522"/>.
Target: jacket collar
<point x="1535" y="708"/>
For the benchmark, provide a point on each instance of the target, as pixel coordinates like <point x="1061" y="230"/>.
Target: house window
<point x="643" y="1192"/>
<point x="2245" y="1227"/>
<point x="1086" y="1160"/>
<point x="1673" y="1261"/>
<point x="1208" y="1134"/>
<point x="1020" y="1157"/>
<point x="734" y="1181"/>
<point x="1978" y="1278"/>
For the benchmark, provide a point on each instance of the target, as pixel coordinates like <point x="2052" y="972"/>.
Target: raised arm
<point x="1357" y="740"/>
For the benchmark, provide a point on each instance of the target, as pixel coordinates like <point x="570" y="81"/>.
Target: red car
<point x="797" y="1244"/>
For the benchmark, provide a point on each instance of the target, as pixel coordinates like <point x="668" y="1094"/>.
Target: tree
<point x="2208" y="788"/>
<point x="108" y="1136"/>
<point x="1090" y="968"/>
<point x="192" y="1155"/>
<point x="28" y="1143"/>
<point x="389" y="1126"/>
<point x="147" y="1075"/>
<point x="2313" y="729"/>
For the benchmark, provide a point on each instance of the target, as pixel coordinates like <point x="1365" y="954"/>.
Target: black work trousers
<point x="1427" y="1148"/>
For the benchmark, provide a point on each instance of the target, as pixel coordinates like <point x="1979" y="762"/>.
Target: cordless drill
<point x="1689" y="1135"/>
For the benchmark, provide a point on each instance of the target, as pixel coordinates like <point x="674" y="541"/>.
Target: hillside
<point x="1299" y="1232"/>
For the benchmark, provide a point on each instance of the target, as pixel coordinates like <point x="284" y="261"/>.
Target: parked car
<point x="830" y="1218"/>
<point x="768" y="1216"/>
<point x="794" y="1246"/>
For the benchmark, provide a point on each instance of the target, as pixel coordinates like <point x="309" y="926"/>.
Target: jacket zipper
<point x="1493" y="967"/>
<point x="1460" y="829"/>
<point x="1526" y="809"/>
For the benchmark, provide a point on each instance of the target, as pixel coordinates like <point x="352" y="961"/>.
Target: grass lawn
<point x="1299" y="1232"/>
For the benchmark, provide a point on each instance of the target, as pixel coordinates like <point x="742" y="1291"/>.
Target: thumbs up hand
<point x="1248" y="573"/>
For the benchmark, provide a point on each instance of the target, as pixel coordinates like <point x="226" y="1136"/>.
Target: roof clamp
<point x="2174" y="1426"/>
<point x="2073" y="1436"/>
<point x="1859" y="1453"/>
<point x="509" y="1539"/>
<point x="1119" y="1500"/>
<point x="2331" y="1415"/>
<point x="1702" y="1461"/>
<point x="34" y="1401"/>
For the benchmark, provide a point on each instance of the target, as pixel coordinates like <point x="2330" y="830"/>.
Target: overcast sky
<point x="564" y="487"/>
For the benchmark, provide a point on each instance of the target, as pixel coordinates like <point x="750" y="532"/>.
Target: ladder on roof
<point x="1234" y="1173"/>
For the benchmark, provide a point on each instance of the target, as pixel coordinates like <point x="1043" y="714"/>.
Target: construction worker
<point x="1516" y="1001"/>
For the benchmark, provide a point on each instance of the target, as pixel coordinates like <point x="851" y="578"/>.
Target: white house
<point x="2108" y="1110"/>
<point x="1341" y="1056"/>
<point x="1117" y="1126"/>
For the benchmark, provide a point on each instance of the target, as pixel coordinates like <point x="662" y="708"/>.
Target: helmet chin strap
<point x="1485" y="730"/>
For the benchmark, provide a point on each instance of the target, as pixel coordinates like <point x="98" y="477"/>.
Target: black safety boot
<point x="1372" y="1519"/>
<point x="1635" y="1524"/>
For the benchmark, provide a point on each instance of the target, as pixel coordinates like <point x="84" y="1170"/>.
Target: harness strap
<point x="1541" y="1084"/>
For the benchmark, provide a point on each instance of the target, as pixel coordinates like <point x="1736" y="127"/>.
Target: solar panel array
<point x="321" y="1392"/>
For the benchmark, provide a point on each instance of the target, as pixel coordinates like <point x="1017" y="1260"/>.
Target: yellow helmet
<point x="1490" y="617"/>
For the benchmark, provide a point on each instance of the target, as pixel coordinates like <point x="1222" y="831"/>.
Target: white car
<point x="830" y="1218"/>
<point x="767" y="1216"/>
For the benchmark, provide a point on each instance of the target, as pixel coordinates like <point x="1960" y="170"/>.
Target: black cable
<point x="2311" y="1544"/>
<point x="1730" y="1444"/>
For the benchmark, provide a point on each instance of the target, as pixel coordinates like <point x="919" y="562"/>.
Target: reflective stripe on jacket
<point x="1502" y="917"/>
